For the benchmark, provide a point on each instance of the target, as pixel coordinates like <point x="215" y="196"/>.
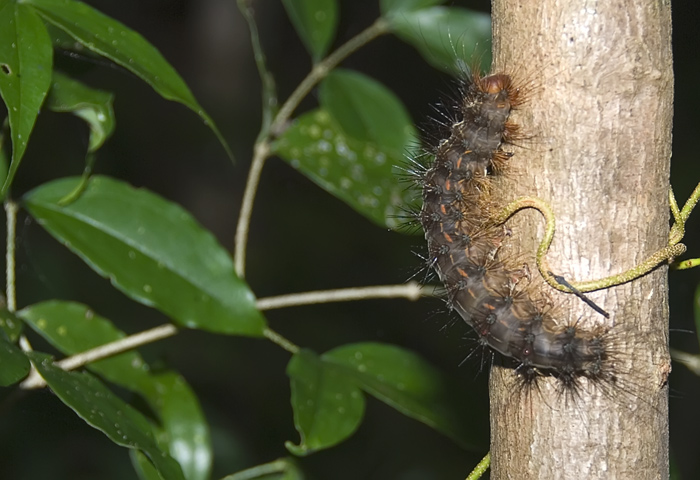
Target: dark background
<point x="301" y="239"/>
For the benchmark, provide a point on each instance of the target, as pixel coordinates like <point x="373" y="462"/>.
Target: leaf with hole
<point x="152" y="250"/>
<point x="103" y="410"/>
<point x="26" y="60"/>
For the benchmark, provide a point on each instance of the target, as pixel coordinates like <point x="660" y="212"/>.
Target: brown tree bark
<point x="600" y="119"/>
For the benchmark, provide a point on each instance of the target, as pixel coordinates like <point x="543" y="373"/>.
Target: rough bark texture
<point x="600" y="120"/>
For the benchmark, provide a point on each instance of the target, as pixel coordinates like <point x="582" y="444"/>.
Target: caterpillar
<point x="492" y="294"/>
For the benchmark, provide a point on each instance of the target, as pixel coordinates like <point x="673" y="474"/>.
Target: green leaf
<point x="281" y="469"/>
<point x="409" y="384"/>
<point x="10" y="324"/>
<point x="391" y="7"/>
<point x="4" y="163"/>
<point x="103" y="410"/>
<point x="93" y="106"/>
<point x="144" y="468"/>
<point x="152" y="250"/>
<point x="26" y="58"/>
<point x="185" y="429"/>
<point x="14" y="364"/>
<point x="315" y="21"/>
<point x="357" y="172"/>
<point x="447" y="37"/>
<point x="123" y="46"/>
<point x="328" y="406"/>
<point x="367" y="110"/>
<point x="73" y="328"/>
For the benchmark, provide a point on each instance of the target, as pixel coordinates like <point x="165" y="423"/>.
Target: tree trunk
<point x="599" y="121"/>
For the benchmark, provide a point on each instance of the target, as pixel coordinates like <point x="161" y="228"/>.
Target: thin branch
<point x="690" y="203"/>
<point x="411" y="291"/>
<point x="481" y="468"/>
<point x="11" y="216"/>
<point x="122" y="345"/>
<point x="262" y="150"/>
<point x="278" y="339"/>
<point x="686" y="264"/>
<point x="323" y="68"/>
<point x="269" y="91"/>
<point x="666" y="254"/>
<point x="262" y="146"/>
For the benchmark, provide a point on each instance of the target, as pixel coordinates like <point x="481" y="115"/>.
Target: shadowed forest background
<point x="301" y="239"/>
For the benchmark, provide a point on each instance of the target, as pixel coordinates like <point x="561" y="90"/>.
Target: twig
<point x="481" y="468"/>
<point x="11" y="216"/>
<point x="323" y="68"/>
<point x="411" y="291"/>
<point x="269" y="91"/>
<point x="262" y="146"/>
<point x="674" y="249"/>
<point x="261" y="153"/>
<point x="685" y="264"/>
<point x="278" y="339"/>
<point x="122" y="345"/>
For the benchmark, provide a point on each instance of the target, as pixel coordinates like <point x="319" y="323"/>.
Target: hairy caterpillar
<point x="492" y="294"/>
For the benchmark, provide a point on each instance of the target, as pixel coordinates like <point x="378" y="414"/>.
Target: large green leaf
<point x="328" y="406"/>
<point x="366" y="110"/>
<point x="315" y="21"/>
<point x="111" y="39"/>
<point x="73" y="328"/>
<point x="411" y="385"/>
<point x="103" y="410"/>
<point x="92" y="105"/>
<point x="447" y="37"/>
<point x="152" y="250"/>
<point x="357" y="172"/>
<point x="26" y="59"/>
<point x="14" y="364"/>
